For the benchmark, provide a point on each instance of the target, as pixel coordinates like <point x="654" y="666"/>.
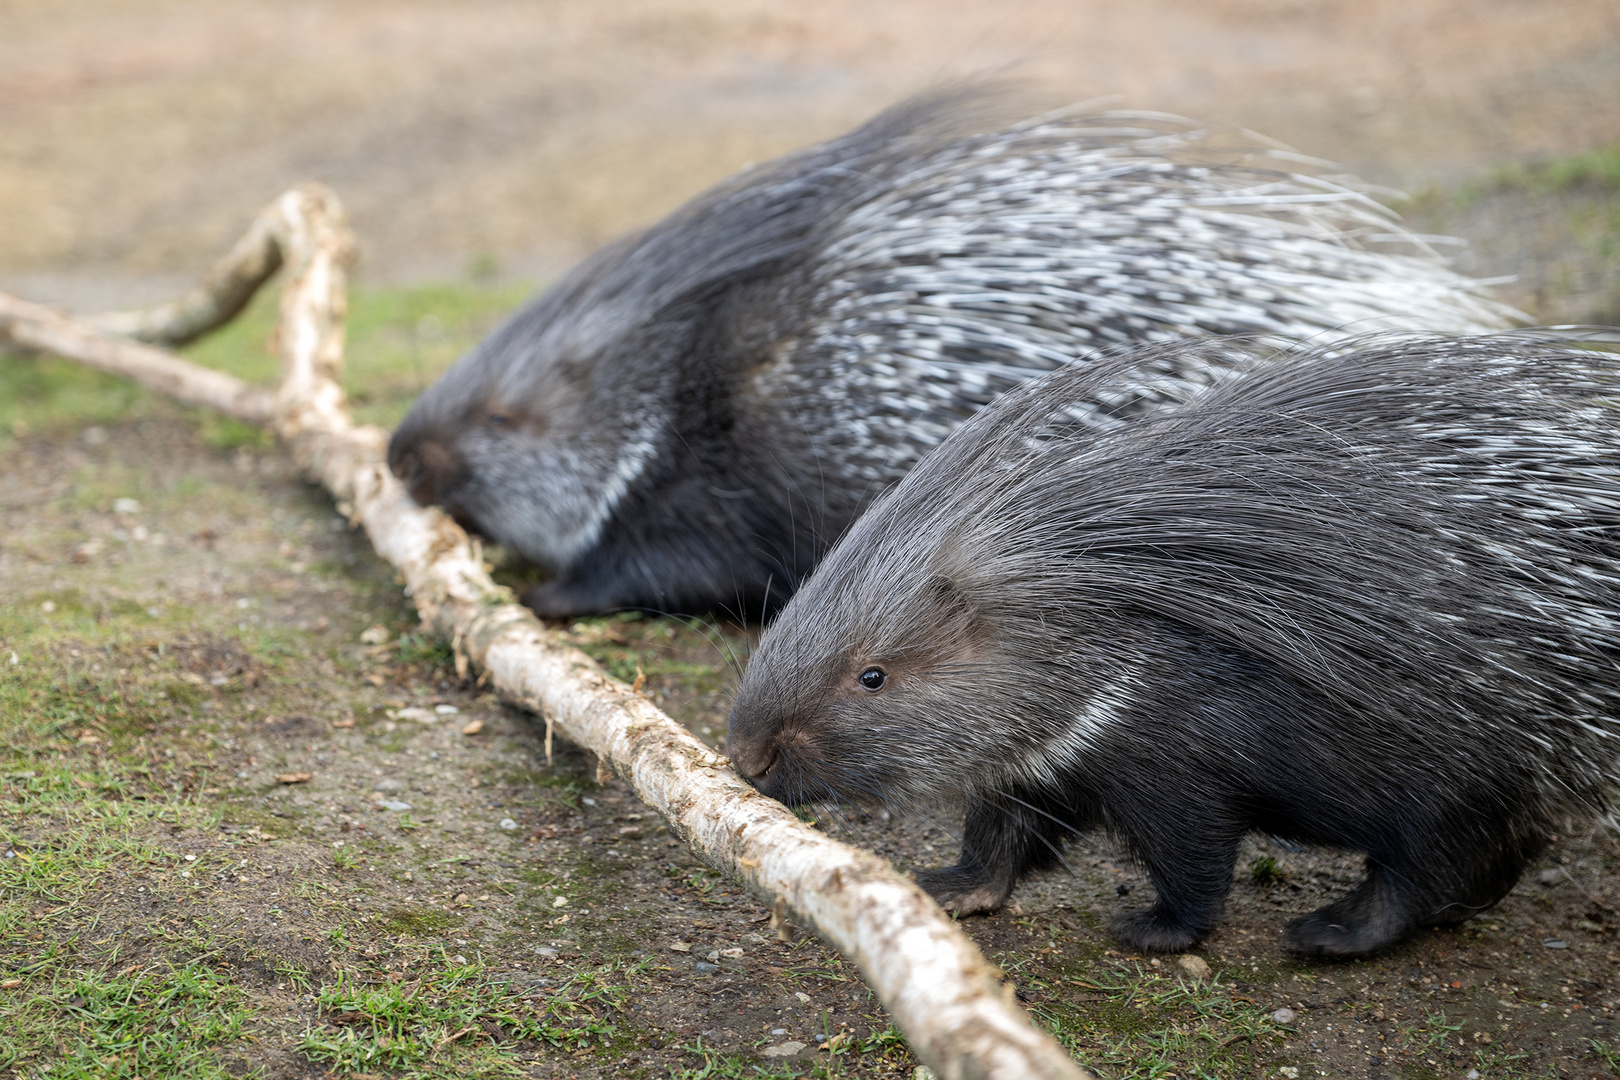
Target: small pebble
<point x="703" y="967"/>
<point x="778" y="1031"/>
<point x="1550" y="877"/>
<point x="394" y="804"/>
<point x="1193" y="966"/>
<point x="680" y="946"/>
<point x="421" y="716"/>
<point x="783" y="1049"/>
<point x="446" y="710"/>
<point x="1471" y="1074"/>
<point x="1555" y="943"/>
<point x="126" y="506"/>
<point x="1285" y="1016"/>
<point x="546" y="951"/>
<point x="508" y="824"/>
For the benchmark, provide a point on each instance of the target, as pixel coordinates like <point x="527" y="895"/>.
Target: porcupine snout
<point x="430" y="470"/>
<point x="752" y="745"/>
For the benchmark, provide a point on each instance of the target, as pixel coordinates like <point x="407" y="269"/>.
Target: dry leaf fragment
<point x="681" y="946"/>
<point x="473" y="727"/>
<point x="294" y="777"/>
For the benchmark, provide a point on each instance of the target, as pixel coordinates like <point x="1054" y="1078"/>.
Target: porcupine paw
<point x="964" y="890"/>
<point x="558" y="600"/>
<point x="1340" y="929"/>
<point x="1153" y="929"/>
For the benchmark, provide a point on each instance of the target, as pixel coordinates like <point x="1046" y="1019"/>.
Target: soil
<point x="137" y="137"/>
<point x="292" y="686"/>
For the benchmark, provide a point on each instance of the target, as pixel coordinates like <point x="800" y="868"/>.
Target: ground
<point x="250" y="821"/>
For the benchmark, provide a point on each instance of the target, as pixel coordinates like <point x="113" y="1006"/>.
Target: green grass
<point x="1597" y="169"/>
<point x="170" y="1022"/>
<point x="399" y="340"/>
<point x="1142" y="1024"/>
<point x="454" y="1021"/>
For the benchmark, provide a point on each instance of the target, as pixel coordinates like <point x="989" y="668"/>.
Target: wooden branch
<point x="216" y="300"/>
<point x="940" y="990"/>
<point x="32" y="328"/>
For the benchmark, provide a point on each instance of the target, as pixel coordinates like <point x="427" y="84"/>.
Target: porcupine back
<point x="1426" y="531"/>
<point x="692" y="415"/>
<point x="1367" y="598"/>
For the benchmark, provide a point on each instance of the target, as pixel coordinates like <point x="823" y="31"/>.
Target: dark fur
<point x="695" y="413"/>
<point x="1368" y="600"/>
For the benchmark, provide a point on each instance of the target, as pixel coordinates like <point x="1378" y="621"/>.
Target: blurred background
<point x="483" y="147"/>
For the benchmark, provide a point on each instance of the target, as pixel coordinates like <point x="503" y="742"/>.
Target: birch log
<point x="946" y="998"/>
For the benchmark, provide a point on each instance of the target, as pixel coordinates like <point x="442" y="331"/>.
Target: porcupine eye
<point x="499" y="419"/>
<point x="872" y="678"/>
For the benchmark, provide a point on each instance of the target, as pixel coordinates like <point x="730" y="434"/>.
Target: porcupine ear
<point x="954" y="608"/>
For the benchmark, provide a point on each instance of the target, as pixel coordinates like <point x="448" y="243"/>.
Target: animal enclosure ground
<point x="241" y="830"/>
<point x="252" y="824"/>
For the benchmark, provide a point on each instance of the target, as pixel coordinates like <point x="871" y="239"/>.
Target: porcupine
<point x="1367" y="599"/>
<point x="690" y="417"/>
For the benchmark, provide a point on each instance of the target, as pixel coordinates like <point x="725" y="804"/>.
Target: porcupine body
<point x="690" y="417"/>
<point x="1368" y="600"/>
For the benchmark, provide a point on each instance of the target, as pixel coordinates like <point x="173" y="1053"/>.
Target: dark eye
<point x="873" y="678"/>
<point x="499" y="419"/>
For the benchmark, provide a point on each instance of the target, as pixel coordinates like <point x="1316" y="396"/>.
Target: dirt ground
<point x="137" y="136"/>
<point x="224" y="653"/>
<point x="228" y="755"/>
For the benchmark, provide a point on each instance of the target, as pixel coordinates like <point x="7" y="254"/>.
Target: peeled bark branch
<point x="215" y="301"/>
<point x="32" y="328"/>
<point x="941" y="991"/>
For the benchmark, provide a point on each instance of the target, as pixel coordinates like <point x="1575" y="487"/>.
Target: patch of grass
<point x="1595" y="169"/>
<point x="421" y="922"/>
<point x="1140" y="1023"/>
<point x="171" y="1022"/>
<point x="399" y="341"/>
<point x="1267" y="870"/>
<point x="456" y="1021"/>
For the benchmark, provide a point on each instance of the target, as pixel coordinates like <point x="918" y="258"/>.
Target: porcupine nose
<point x="430" y="470"/>
<point x="752" y="755"/>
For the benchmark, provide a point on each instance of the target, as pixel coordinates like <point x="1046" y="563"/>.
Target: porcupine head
<point x="592" y="437"/>
<point x="536" y="433"/>
<point x="907" y="671"/>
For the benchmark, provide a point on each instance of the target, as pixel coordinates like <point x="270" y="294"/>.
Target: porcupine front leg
<point x="1003" y="838"/>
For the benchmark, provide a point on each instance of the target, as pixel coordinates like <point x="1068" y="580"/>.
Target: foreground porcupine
<point x="1368" y="600"/>
<point x="690" y="417"/>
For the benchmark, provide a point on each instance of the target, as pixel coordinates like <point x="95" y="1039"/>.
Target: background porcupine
<point x="1367" y="599"/>
<point x="692" y="415"/>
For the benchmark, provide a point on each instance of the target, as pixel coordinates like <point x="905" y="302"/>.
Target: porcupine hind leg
<point x="1411" y="889"/>
<point x="1003" y="838"/>
<point x="1191" y="870"/>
